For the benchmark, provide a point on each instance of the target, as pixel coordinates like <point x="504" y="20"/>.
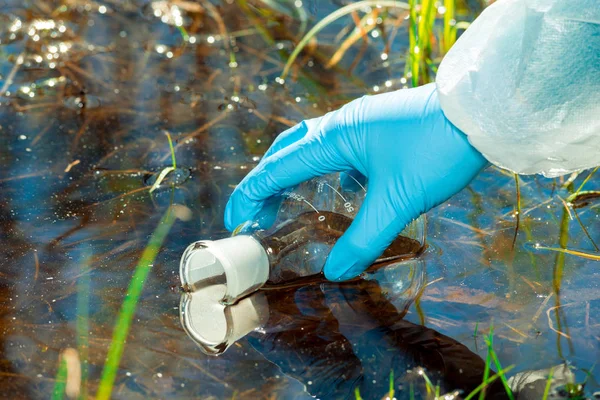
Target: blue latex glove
<point x="413" y="157"/>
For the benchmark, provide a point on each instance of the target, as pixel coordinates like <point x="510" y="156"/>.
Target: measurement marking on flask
<point x="339" y="194"/>
<point x="313" y="207"/>
<point x="356" y="180"/>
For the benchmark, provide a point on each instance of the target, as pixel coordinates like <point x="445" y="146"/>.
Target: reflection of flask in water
<point x="215" y="326"/>
<point x="289" y="240"/>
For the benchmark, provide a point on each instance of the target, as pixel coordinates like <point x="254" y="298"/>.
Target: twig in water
<point x="551" y="324"/>
<point x="518" y="213"/>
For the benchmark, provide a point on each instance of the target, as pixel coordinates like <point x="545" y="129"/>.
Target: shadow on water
<point x="87" y="91"/>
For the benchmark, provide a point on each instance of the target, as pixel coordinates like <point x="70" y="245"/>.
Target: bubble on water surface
<point x="83" y="101"/>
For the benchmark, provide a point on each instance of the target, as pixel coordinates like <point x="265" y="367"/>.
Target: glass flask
<point x="289" y="241"/>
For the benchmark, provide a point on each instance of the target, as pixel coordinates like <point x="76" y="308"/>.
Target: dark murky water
<point x="88" y="90"/>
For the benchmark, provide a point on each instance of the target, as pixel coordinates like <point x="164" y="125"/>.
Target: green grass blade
<point x="391" y="391"/>
<point x="449" y="24"/>
<point x="357" y="394"/>
<point x="490" y="343"/>
<point x="486" y="382"/>
<point x="548" y="384"/>
<point x="172" y="150"/>
<point x="412" y="43"/>
<point x="83" y="326"/>
<point x="583" y="183"/>
<point x="129" y="305"/>
<point x="331" y="18"/>
<point x="486" y="373"/>
<point x="60" y="384"/>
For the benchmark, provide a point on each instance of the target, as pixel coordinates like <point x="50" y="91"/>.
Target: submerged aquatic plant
<point x="167" y="170"/>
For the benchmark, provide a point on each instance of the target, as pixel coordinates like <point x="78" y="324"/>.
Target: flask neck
<point x="237" y="266"/>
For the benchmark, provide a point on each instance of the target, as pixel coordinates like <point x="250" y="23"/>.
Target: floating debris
<point x="173" y="177"/>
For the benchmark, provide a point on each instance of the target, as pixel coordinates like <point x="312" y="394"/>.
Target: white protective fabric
<point x="523" y="82"/>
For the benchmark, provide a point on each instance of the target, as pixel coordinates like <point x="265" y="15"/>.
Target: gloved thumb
<point x="375" y="227"/>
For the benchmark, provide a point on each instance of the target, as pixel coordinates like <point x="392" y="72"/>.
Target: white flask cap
<point x="236" y="266"/>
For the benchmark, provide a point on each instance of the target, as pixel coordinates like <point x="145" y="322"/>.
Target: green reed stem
<point x="173" y="159"/>
<point x="83" y="326"/>
<point x="129" y="305"/>
<point x="486" y="382"/>
<point x="584" y="182"/>
<point x="412" y="43"/>
<point x="548" y="384"/>
<point x="60" y="383"/>
<point x="449" y="24"/>
<point x="486" y="374"/>
<point x="357" y="394"/>
<point x="490" y="343"/>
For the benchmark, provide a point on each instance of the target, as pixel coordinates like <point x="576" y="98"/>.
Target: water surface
<point x="88" y="90"/>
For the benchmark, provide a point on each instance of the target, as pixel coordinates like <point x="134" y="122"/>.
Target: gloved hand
<point x="413" y="157"/>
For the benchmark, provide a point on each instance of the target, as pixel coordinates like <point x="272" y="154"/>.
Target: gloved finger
<point x="284" y="139"/>
<point x="353" y="181"/>
<point x="376" y="225"/>
<point x="301" y="161"/>
<point x="290" y="136"/>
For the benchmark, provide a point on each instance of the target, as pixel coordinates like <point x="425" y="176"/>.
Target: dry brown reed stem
<point x="260" y="55"/>
<point x="396" y="26"/>
<point x="11" y="75"/>
<point x="152" y="145"/>
<point x="277" y="118"/>
<point x="41" y="134"/>
<point x="541" y="307"/>
<point x="362" y="28"/>
<point x="79" y="133"/>
<point x="37" y="265"/>
<point x="24" y="176"/>
<point x="30" y="107"/>
<point x="551" y="324"/>
<point x="131" y="192"/>
<point x="212" y="77"/>
<point x="122" y="171"/>
<point x="520" y="333"/>
<point x="183" y="141"/>
<point x="75" y="68"/>
<point x="470" y="227"/>
<point x="212" y="10"/>
<point x="361" y="52"/>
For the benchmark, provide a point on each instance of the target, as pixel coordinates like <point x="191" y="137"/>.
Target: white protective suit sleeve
<point x="523" y="83"/>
